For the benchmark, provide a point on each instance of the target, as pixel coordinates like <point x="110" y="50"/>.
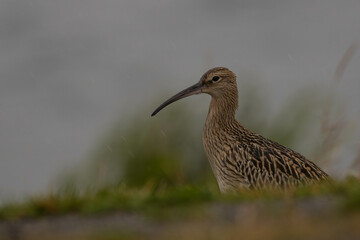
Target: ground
<point x="188" y="212"/>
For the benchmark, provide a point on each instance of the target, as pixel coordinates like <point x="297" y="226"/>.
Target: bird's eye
<point x="215" y="78"/>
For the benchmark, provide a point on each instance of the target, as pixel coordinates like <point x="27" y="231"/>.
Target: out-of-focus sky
<point x="69" y="69"/>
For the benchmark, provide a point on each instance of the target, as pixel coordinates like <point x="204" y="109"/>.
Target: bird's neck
<point x="222" y="110"/>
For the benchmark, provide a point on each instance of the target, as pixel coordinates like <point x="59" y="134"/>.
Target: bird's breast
<point x="217" y="145"/>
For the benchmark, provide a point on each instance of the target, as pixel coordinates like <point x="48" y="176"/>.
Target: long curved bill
<point x="194" y="89"/>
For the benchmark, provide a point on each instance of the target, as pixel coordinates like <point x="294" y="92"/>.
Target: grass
<point x="153" y="201"/>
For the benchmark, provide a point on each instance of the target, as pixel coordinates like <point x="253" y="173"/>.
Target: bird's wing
<point x="267" y="163"/>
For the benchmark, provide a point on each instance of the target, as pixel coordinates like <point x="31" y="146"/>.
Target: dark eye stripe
<point x="215" y="78"/>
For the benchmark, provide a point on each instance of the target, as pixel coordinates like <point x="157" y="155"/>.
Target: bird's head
<point x="218" y="82"/>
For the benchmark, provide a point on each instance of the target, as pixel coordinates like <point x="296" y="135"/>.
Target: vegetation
<point x="148" y="165"/>
<point x="154" y="201"/>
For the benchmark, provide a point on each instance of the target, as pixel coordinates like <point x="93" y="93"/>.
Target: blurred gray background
<point x="71" y="68"/>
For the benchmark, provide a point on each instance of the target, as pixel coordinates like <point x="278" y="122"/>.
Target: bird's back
<point x="243" y="159"/>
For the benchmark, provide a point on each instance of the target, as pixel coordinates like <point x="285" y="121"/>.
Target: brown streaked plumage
<point x="238" y="157"/>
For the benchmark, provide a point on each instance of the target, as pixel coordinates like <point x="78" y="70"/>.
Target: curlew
<point x="238" y="157"/>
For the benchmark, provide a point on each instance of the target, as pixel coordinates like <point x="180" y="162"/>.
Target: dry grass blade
<point x="340" y="69"/>
<point x="331" y="130"/>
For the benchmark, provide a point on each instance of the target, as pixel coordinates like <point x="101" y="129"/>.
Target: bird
<point x="239" y="158"/>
